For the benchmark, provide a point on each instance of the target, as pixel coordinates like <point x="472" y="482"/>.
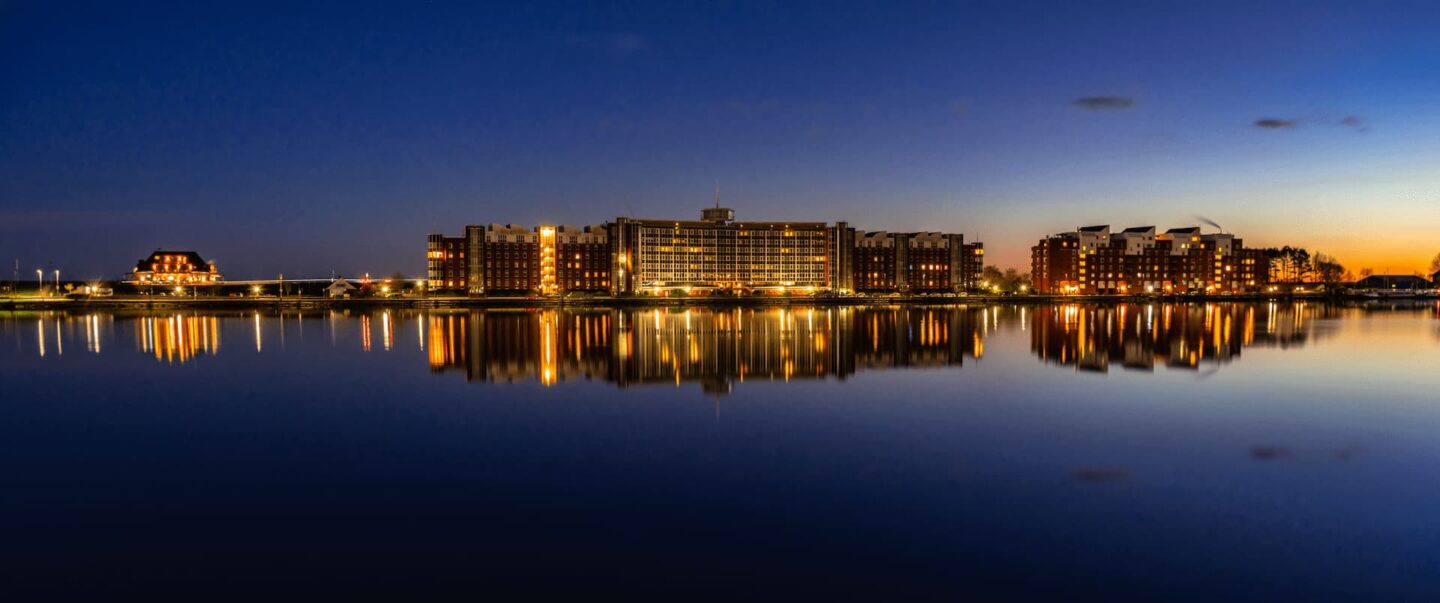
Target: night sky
<point x="336" y="136"/>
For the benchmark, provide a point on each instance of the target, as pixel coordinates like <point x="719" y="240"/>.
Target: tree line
<point x="1297" y="265"/>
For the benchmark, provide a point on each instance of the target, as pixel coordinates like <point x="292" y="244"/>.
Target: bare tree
<point x="1327" y="269"/>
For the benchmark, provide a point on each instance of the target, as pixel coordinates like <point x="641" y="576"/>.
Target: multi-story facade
<point x="582" y="258"/>
<point x="920" y="262"/>
<point x="445" y="262"/>
<point x="175" y="268"/>
<point x="718" y="252"/>
<point x="1093" y="260"/>
<point x="972" y="264"/>
<point x="715" y="253"/>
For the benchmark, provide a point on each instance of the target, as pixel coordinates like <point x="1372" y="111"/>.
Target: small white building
<point x="340" y="288"/>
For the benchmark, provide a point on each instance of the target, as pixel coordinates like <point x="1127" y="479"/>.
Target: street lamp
<point x="39" y="282"/>
<point x="57" y="280"/>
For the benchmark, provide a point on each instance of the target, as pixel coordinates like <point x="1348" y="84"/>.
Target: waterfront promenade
<point x="165" y="302"/>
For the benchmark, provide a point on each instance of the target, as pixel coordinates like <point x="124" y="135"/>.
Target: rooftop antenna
<point x="717" y="193"/>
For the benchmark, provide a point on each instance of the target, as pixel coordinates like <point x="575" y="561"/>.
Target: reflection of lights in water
<point x="547" y="347"/>
<point x="257" y="331"/>
<point x="385" y="339"/>
<point x="553" y="345"/>
<point x="179" y="338"/>
<point x="364" y="332"/>
<point x="40" y="328"/>
<point x="443" y="348"/>
<point x="92" y="333"/>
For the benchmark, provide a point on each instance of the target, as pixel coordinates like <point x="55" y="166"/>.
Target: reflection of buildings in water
<point x="1091" y="337"/>
<point x="510" y="346"/>
<point x="178" y="337"/>
<point x="914" y="337"/>
<point x="715" y="347"/>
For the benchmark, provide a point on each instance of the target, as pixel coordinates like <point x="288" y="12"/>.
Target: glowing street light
<point x="40" y="281"/>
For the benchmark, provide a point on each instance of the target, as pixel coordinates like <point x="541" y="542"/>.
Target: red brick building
<point x="1092" y="260"/>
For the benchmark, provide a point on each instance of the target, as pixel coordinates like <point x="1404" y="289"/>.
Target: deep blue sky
<point x="335" y="136"/>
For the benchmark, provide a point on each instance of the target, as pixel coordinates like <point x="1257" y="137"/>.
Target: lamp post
<point x="57" y="281"/>
<point x="39" y="282"/>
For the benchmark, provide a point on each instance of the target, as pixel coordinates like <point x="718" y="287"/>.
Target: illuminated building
<point x="445" y="262"/>
<point x="509" y="258"/>
<point x="173" y="268"/>
<point x="583" y="258"/>
<point x="972" y="264"/>
<point x="1093" y="260"/>
<point x="714" y="254"/>
<point x="717" y="252"/>
<point x="915" y="262"/>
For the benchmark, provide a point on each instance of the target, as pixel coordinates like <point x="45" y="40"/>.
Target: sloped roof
<point x="1392" y="281"/>
<point x="1139" y="229"/>
<point x="1094" y="228"/>
<point x="191" y="257"/>
<point x="1184" y="230"/>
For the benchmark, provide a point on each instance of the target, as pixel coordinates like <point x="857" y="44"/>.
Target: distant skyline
<point x="335" y="136"/>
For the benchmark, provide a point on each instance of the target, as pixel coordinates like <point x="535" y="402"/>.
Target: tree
<point x="1289" y="264"/>
<point x="1328" y="269"/>
<point x="990" y="276"/>
<point x="1435" y="264"/>
<point x="1366" y="272"/>
<point x="1009" y="279"/>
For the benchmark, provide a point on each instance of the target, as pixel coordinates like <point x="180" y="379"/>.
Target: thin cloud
<point x="1104" y="103"/>
<point x="1354" y="122"/>
<point x="960" y="108"/>
<point x="1101" y="475"/>
<point x="1269" y="453"/>
<point x="1272" y="123"/>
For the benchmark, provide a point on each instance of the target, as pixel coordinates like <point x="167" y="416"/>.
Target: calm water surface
<point x="1229" y="451"/>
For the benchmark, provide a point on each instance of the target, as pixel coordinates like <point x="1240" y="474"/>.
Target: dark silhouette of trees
<point x="1290" y="264"/>
<point x="1328" y="270"/>
<point x="1008" y="280"/>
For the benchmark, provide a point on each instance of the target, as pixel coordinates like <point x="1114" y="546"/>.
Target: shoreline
<point x="156" y="303"/>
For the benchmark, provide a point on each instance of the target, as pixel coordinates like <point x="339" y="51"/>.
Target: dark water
<point x="1236" y="452"/>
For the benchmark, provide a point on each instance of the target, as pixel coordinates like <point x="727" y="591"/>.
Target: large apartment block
<point x="1094" y="260"/>
<point x="714" y="253"/>
<point x="917" y="262"/>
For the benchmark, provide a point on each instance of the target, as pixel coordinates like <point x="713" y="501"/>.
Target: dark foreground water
<point x="1204" y="452"/>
